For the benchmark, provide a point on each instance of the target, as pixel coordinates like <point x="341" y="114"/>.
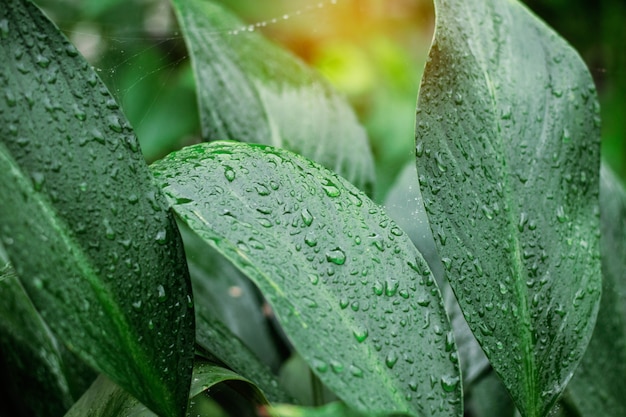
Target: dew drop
<point x="360" y="334"/>
<point x="161" y="237"/>
<point x="330" y="189"/>
<point x="391" y="359"/>
<point x="38" y="180"/>
<point x="560" y="214"/>
<point x="229" y="173"/>
<point x="449" y="383"/>
<point x="307" y="217"/>
<point x="336" y="366"/>
<point x="114" y="124"/>
<point x="336" y="256"/>
<point x="4" y="28"/>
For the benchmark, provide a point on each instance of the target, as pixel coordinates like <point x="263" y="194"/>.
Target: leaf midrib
<point x="530" y="381"/>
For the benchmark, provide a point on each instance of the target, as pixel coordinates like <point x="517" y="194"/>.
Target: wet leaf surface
<point x="507" y="144"/>
<point x="250" y="90"/>
<point x="88" y="233"/>
<point x="352" y="293"/>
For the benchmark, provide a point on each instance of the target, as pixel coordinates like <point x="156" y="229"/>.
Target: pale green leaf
<point x="330" y="410"/>
<point x="88" y="233"/>
<point x="352" y="293"/>
<point x="507" y="140"/>
<point x="598" y="387"/>
<point x="250" y="90"/>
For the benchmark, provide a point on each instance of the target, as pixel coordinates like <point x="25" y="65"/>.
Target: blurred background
<point x="372" y="50"/>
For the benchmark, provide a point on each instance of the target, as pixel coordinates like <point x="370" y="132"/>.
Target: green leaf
<point x="222" y="293"/>
<point x="598" y="388"/>
<point x="250" y="90"/>
<point x="218" y="340"/>
<point x="404" y="204"/>
<point x="45" y="378"/>
<point x="489" y="398"/>
<point x="352" y="293"/>
<point x="106" y="399"/>
<point x="88" y="233"/>
<point x="330" y="410"/>
<point x="507" y="140"/>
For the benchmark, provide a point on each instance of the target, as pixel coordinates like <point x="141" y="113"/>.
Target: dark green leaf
<point x="598" y="388"/>
<point x="106" y="399"/>
<point x="489" y="398"/>
<point x="507" y="140"/>
<point x="218" y="340"/>
<point x="89" y="235"/>
<point x="352" y="293"/>
<point x="222" y="293"/>
<point x="250" y="90"/>
<point x="44" y="380"/>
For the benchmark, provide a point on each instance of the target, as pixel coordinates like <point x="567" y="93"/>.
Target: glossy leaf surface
<point x="507" y="144"/>
<point x="250" y="90"/>
<point x="89" y="235"/>
<point x="351" y="291"/>
<point x="598" y="388"/>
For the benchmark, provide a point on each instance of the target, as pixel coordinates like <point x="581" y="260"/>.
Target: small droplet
<point x="137" y="305"/>
<point x="38" y="180"/>
<point x="336" y="256"/>
<point x="458" y="99"/>
<point x="109" y="233"/>
<point x="161" y="237"/>
<point x="336" y="366"/>
<point x="307" y="217"/>
<point x="360" y="334"/>
<point x="114" y="124"/>
<point x="330" y="189"/>
<point x="314" y="279"/>
<point x="310" y="239"/>
<point x="391" y="359"/>
<point x="523" y="219"/>
<point x="4" y="28"/>
<point x="79" y="113"/>
<point x="356" y="371"/>
<point x="229" y="173"/>
<point x="560" y="214"/>
<point x="43" y="61"/>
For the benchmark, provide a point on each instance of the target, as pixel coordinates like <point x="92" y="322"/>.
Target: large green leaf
<point x="507" y="140"/>
<point x="88" y="233"/>
<point x="250" y="90"/>
<point x="45" y="379"/>
<point x="351" y="291"/>
<point x="598" y="388"/>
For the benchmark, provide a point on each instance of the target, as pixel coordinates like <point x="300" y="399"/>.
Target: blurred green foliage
<point x="372" y="50"/>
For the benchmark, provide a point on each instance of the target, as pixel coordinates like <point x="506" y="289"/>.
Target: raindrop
<point x="391" y="359"/>
<point x="336" y="256"/>
<point x="560" y="214"/>
<point x="440" y="164"/>
<point x="330" y="189"/>
<point x="114" y="124"/>
<point x="523" y="219"/>
<point x="311" y="240"/>
<point x="262" y="189"/>
<point x="314" y="278"/>
<point x="413" y="385"/>
<point x="38" y="180"/>
<point x="79" y="113"/>
<point x="378" y="288"/>
<point x="137" y="305"/>
<point x="160" y="293"/>
<point x="43" y="61"/>
<point x="356" y="371"/>
<point x="151" y="325"/>
<point x="98" y="136"/>
<point x="337" y="367"/>
<point x="71" y="50"/>
<point x="566" y="136"/>
<point x="360" y="334"/>
<point x="229" y="173"/>
<point x="319" y="365"/>
<point x="161" y="237"/>
<point x="307" y="217"/>
<point x="458" y="99"/>
<point x="391" y="287"/>
<point x="10" y="98"/>
<point x="449" y="383"/>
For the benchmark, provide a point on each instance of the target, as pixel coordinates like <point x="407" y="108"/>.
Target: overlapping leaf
<point x="351" y="291"/>
<point x="89" y="235"/>
<point x="598" y="388"/>
<point x="253" y="91"/>
<point x="507" y="140"/>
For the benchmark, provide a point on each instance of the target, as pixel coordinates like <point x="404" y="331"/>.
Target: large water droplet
<point x="229" y="173"/>
<point x="330" y="189"/>
<point x="336" y="256"/>
<point x="391" y="359"/>
<point x="307" y="217"/>
<point x="449" y="383"/>
<point x="361" y="334"/>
